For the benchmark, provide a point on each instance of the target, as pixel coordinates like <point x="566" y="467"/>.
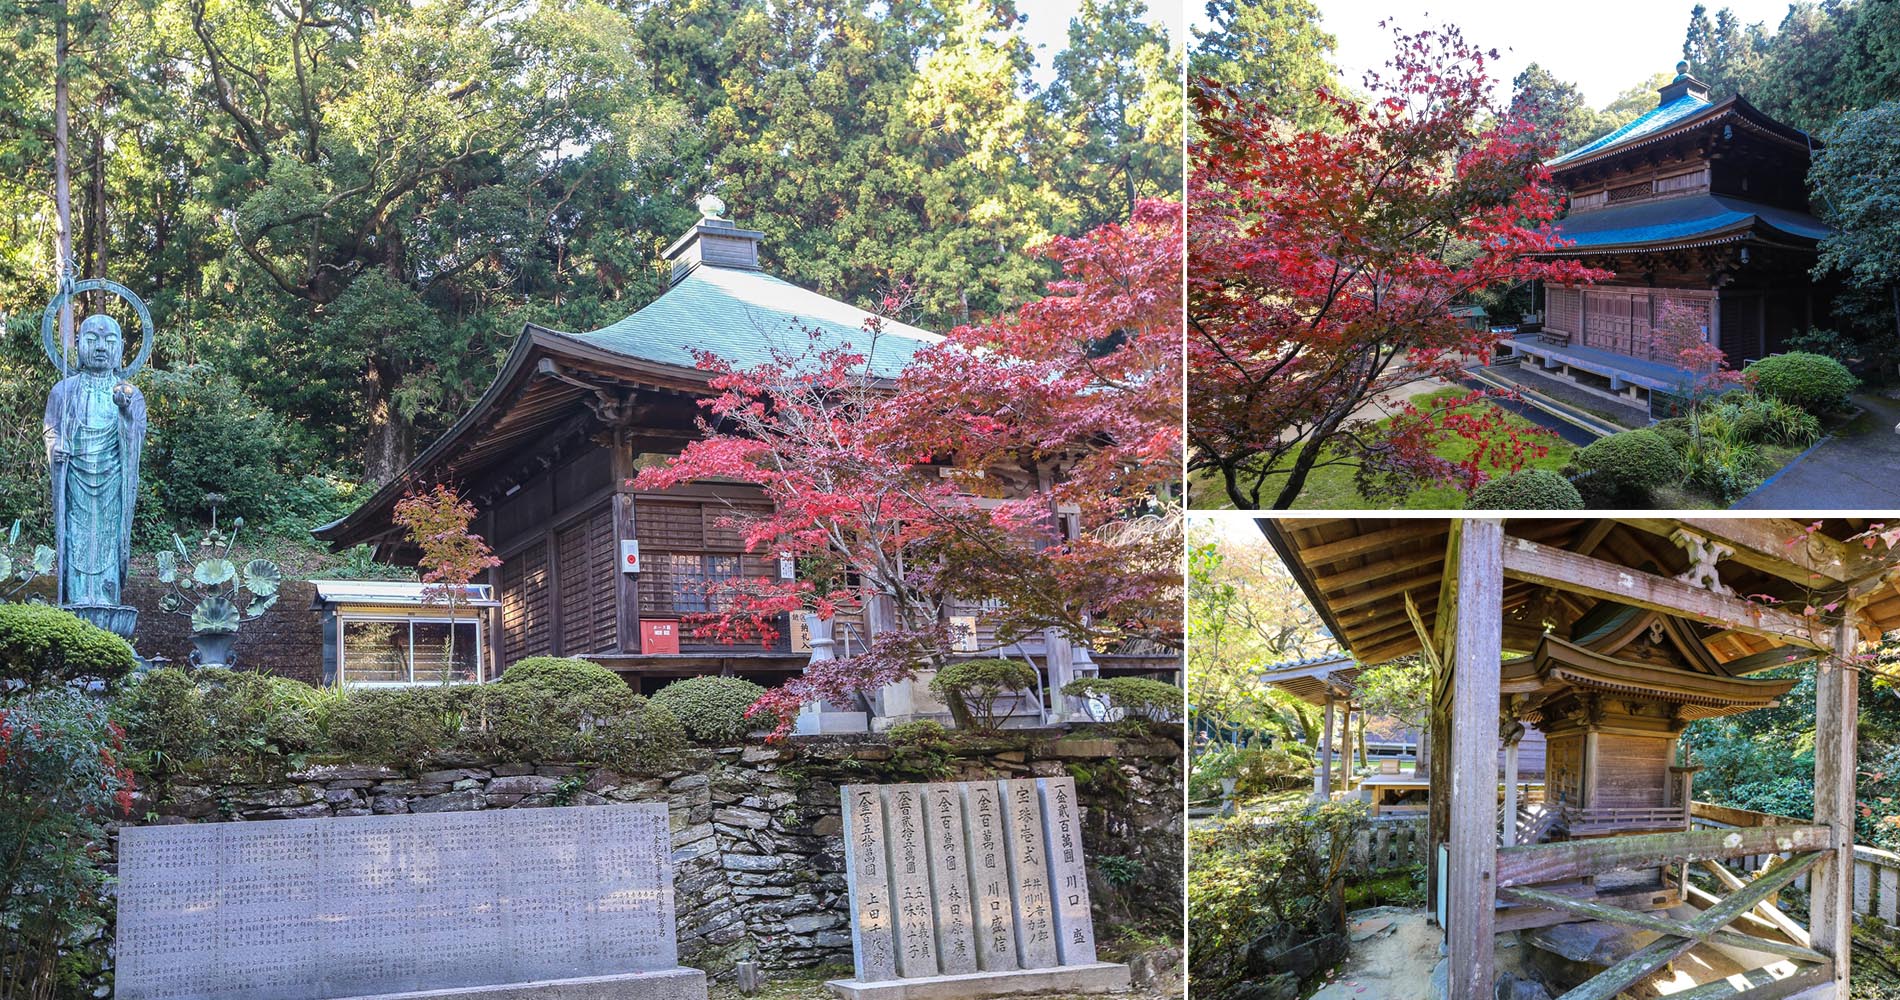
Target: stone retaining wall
<point x="759" y="861"/>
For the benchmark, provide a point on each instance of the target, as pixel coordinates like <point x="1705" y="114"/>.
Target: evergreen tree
<point x="1271" y="51"/>
<point x="1115" y="107"/>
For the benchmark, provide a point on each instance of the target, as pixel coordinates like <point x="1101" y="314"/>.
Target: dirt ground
<point x="1393" y="962"/>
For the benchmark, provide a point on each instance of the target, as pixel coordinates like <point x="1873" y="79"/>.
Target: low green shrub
<point x="1814" y="382"/>
<point x="396" y="726"/>
<point x="1631" y="463"/>
<point x="1760" y="420"/>
<point x="644" y="739"/>
<point x="972" y="688"/>
<point x="1528" y="489"/>
<point x="41" y="645"/>
<point x="1255" y="770"/>
<point x="1137" y="697"/>
<point x="254" y="719"/>
<point x="711" y="708"/>
<point x="1230" y="904"/>
<point x="566" y="677"/>
<point x="926" y="734"/>
<point x="162" y="713"/>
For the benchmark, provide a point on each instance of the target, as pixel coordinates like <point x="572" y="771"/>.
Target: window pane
<point x="375" y="652"/>
<point x="435" y="662"/>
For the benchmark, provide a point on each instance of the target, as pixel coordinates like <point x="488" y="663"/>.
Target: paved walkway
<point x="1858" y="469"/>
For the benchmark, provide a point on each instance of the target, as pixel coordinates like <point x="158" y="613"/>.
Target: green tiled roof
<point x="1652" y="121"/>
<point x="741" y="315"/>
<point x="1676" y="220"/>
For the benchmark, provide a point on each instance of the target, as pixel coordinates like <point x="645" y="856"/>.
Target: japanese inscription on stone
<point x="311" y="909"/>
<point x="1035" y="924"/>
<point x="873" y="935"/>
<point x="997" y="867"/>
<point x="1075" y="932"/>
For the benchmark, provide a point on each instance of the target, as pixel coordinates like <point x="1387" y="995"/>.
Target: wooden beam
<point x="1360" y="544"/>
<point x="1776" y="546"/>
<point x="1650" y="922"/>
<point x="1836" y="716"/>
<point x="1612" y="981"/>
<point x="1523" y="918"/>
<point x="1380" y="570"/>
<point x="1532" y="863"/>
<point x="1437" y="739"/>
<point x="1768" y="911"/>
<point x="1527" y="560"/>
<point x="1759" y="984"/>
<point x="1476" y="650"/>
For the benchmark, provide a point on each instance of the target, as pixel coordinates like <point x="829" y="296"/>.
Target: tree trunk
<point x="391" y="441"/>
<point x="62" y="184"/>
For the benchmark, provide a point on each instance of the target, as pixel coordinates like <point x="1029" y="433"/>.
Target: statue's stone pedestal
<point x="1097" y="977"/>
<point x="669" y="984"/>
<point x="118" y="619"/>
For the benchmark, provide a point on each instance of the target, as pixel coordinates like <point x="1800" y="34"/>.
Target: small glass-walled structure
<point x="381" y="633"/>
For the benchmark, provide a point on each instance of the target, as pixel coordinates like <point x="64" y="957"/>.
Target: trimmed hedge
<point x="712" y="709"/>
<point x="1810" y="381"/>
<point x="1632" y="462"/>
<point x="1530" y="489"/>
<point x="40" y="644"/>
<point x="1138" y="697"/>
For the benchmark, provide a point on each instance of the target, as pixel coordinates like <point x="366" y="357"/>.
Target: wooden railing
<point x="1876" y="872"/>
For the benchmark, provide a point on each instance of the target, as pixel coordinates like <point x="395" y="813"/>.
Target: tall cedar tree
<point x="1071" y="401"/>
<point x="1324" y="264"/>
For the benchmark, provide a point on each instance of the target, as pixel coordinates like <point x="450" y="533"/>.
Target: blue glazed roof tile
<point x="1652" y="121"/>
<point x="1679" y="219"/>
<point x="743" y="315"/>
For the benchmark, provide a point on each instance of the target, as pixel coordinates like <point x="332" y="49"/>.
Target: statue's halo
<point x="49" y="318"/>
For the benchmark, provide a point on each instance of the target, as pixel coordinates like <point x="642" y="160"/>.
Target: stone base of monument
<point x="118" y="619"/>
<point x="1097" y="977"/>
<point x="672" y="984"/>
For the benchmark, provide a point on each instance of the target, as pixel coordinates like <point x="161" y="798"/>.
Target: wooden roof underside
<point x="549" y="389"/>
<point x="1358" y="572"/>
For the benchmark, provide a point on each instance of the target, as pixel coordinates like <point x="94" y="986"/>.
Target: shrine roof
<point x="1689" y="220"/>
<point x="1684" y="114"/>
<point x="1648" y="123"/>
<point x="743" y="315"/>
<point x="1313" y="678"/>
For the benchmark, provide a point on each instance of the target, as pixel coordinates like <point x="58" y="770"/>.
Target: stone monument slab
<point x="555" y="903"/>
<point x="1003" y="893"/>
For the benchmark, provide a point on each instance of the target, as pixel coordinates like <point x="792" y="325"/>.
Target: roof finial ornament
<point x="711" y="206"/>
<point x="1682" y="68"/>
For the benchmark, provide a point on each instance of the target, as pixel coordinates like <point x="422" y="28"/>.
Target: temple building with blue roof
<point x="592" y="567"/>
<point x="1699" y="203"/>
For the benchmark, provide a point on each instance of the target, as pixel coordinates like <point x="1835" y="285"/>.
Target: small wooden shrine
<point x="1610" y="636"/>
<point x="1697" y="203"/>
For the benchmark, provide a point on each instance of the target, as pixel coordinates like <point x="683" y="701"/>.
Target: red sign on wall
<point x="659" y="636"/>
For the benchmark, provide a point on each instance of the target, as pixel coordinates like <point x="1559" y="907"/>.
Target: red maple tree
<point x="1324" y="265"/>
<point x="436" y="522"/>
<point x="971" y="477"/>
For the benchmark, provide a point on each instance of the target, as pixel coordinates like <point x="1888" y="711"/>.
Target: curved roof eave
<point x="1708" y="114"/>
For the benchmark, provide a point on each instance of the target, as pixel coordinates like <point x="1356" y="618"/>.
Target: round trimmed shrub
<point x="1529" y="489"/>
<point x="971" y="689"/>
<point x="711" y="708"/>
<point x="1632" y="462"/>
<point x="1811" y="381"/>
<point x="565" y="677"/>
<point x="1137" y="697"/>
<point x="40" y="644"/>
<point x="925" y="734"/>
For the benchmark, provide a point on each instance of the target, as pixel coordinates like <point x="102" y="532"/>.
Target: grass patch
<point x="1331" y="486"/>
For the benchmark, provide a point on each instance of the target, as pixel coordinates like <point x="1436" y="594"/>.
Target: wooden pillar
<point x="626" y="585"/>
<point x="1836" y="716"/>
<point x="1476" y="656"/>
<point x="1323" y="783"/>
<point x="1509" y="834"/>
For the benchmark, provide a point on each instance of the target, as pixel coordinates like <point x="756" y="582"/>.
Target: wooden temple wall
<point x="560" y="584"/>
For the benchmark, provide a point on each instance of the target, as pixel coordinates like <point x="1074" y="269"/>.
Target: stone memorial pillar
<point x="1001" y="874"/>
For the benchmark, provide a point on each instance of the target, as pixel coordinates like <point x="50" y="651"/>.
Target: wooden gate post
<point x="1474" y="758"/>
<point x="1323" y="784"/>
<point x="1836" y="715"/>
